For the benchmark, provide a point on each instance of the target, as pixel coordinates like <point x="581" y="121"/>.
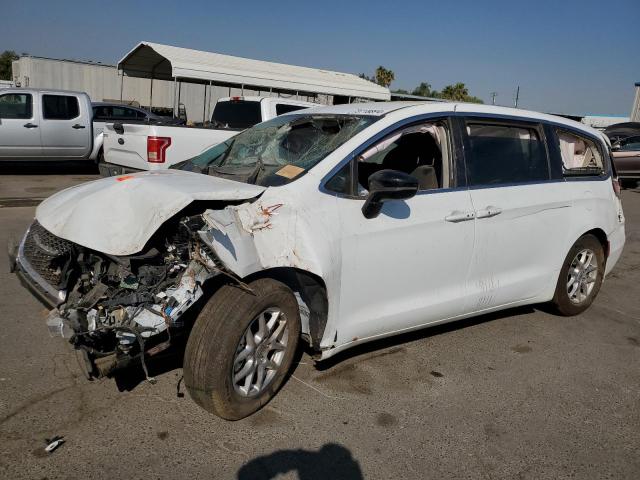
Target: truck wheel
<point x="241" y="348"/>
<point x="580" y="277"/>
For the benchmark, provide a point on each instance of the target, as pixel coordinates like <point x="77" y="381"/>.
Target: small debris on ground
<point x="53" y="443"/>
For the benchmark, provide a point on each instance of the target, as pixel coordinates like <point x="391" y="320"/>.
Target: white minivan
<point x="335" y="225"/>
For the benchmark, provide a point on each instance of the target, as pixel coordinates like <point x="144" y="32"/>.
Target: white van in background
<point x="130" y="147"/>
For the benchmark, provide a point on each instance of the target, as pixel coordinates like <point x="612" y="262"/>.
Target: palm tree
<point x="458" y="92"/>
<point x="384" y="77"/>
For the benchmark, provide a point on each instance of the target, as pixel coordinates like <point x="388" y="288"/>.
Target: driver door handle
<point x="77" y="126"/>
<point x="489" y="212"/>
<point x="458" y="216"/>
<point x="30" y="125"/>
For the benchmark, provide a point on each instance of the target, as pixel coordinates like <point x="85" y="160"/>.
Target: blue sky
<point x="567" y="56"/>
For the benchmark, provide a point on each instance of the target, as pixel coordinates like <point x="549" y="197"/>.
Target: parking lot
<point x="517" y="394"/>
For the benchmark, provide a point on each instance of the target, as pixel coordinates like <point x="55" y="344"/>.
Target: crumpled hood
<point x="118" y="215"/>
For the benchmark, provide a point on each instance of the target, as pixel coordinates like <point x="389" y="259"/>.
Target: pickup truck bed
<point x="130" y="147"/>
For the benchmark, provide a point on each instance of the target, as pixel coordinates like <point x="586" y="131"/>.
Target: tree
<point x="424" y="90"/>
<point x="6" y="58"/>
<point x="458" y="92"/>
<point x="384" y="77"/>
<point x="400" y="90"/>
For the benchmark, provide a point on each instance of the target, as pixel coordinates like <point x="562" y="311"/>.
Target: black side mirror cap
<point x="388" y="185"/>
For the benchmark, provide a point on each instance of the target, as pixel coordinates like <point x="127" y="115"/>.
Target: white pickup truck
<point x="135" y="147"/>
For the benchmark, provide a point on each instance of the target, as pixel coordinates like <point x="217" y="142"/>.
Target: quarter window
<point x="16" y="105"/>
<point x="60" y="107"/>
<point x="580" y="156"/>
<point x="504" y="154"/>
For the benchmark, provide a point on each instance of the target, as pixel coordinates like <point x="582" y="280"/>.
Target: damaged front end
<point x="114" y="309"/>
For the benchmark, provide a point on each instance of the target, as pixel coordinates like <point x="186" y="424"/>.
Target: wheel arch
<point x="602" y="238"/>
<point x="313" y="292"/>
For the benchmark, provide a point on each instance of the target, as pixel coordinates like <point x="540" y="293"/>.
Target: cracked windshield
<point x="280" y="150"/>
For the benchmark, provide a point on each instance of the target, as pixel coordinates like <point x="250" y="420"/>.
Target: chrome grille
<point x="46" y="253"/>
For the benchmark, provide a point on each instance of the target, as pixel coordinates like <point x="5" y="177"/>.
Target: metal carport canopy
<point x="165" y="62"/>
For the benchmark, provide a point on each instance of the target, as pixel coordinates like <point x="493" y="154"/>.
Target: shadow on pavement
<point x="420" y="334"/>
<point x="331" y="461"/>
<point x="85" y="167"/>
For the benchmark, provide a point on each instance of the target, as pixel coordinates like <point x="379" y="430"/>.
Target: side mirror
<point x="388" y="185"/>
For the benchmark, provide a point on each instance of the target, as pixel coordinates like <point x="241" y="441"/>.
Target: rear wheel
<point x="241" y="348"/>
<point x="581" y="276"/>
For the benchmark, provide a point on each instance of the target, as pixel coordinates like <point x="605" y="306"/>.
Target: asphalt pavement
<point x="518" y="394"/>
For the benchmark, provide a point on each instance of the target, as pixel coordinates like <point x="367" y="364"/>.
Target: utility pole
<point x="517" y="95"/>
<point x="493" y="97"/>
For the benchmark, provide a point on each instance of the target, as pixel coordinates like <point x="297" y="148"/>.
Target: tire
<point x="219" y="348"/>
<point x="100" y="157"/>
<point x="573" y="298"/>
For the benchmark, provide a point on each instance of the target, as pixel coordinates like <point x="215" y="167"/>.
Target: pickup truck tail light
<point x="156" y="149"/>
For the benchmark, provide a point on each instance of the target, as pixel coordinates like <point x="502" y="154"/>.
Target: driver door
<point x="406" y="267"/>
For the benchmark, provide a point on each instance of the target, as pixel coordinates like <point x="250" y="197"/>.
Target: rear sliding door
<point x="520" y="212"/>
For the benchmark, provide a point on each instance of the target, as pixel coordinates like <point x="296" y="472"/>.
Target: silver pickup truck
<point x="37" y="124"/>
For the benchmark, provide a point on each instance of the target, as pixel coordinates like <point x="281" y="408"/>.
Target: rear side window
<point x="236" y="114"/>
<point x="282" y="108"/>
<point x="503" y="154"/>
<point x="580" y="156"/>
<point x="60" y="107"/>
<point x="16" y="105"/>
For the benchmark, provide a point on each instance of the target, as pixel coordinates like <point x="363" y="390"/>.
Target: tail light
<point x="156" y="148"/>
<point x="616" y="186"/>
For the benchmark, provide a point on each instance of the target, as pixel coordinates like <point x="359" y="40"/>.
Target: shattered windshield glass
<point x="279" y="150"/>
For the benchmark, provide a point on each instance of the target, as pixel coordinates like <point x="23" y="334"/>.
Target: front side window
<point x="280" y="150"/>
<point x="580" y="156"/>
<point x="60" y="107"/>
<point x="16" y="105"/>
<point x="421" y="151"/>
<point x="629" y="144"/>
<point x="505" y="154"/>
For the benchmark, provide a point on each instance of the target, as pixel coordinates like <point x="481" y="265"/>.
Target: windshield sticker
<point x="290" y="171"/>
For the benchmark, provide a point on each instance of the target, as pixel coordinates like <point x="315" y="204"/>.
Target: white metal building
<point x="155" y="75"/>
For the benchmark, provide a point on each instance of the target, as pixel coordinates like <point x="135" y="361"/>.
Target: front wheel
<point x="241" y="348"/>
<point x="580" y="277"/>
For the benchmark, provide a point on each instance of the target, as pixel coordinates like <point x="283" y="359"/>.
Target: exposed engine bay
<point x="116" y="306"/>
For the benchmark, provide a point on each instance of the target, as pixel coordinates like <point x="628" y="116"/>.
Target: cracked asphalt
<point x="518" y="394"/>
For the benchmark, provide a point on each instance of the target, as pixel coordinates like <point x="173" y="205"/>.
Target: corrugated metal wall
<point x="635" y="110"/>
<point x="102" y="82"/>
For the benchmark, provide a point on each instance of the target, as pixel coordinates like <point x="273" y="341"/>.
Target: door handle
<point x="458" y="216"/>
<point x="489" y="212"/>
<point x="30" y="125"/>
<point x="77" y="126"/>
